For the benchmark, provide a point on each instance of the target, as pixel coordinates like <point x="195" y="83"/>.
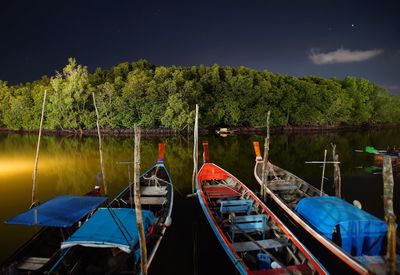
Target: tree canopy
<point x="158" y="96"/>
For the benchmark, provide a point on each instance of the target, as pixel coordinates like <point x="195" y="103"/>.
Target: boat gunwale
<point x="307" y="254"/>
<point x="157" y="242"/>
<point x="329" y="244"/>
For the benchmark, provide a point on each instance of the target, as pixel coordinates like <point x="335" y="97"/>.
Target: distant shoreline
<point x="171" y="132"/>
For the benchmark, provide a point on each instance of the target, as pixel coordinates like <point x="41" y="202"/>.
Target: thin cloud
<point x="342" y="56"/>
<point x="394" y="89"/>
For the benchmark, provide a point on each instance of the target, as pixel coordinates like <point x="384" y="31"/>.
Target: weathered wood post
<point x="337" y="179"/>
<point x="37" y="152"/>
<point x="390" y="217"/>
<point x="195" y="147"/>
<point x="323" y="173"/>
<point x="265" y="168"/>
<point x="103" y="175"/>
<point x="138" y="205"/>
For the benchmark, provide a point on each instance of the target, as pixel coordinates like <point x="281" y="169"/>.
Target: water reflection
<point x="69" y="166"/>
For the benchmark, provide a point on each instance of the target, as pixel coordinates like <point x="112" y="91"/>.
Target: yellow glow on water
<point x="14" y="166"/>
<point x="24" y="165"/>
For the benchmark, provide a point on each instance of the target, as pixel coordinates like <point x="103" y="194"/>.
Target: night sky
<point x="324" y="38"/>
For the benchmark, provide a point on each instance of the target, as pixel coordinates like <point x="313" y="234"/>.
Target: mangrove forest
<point x="165" y="97"/>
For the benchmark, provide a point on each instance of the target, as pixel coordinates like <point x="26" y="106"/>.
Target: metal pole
<point x="37" y="151"/>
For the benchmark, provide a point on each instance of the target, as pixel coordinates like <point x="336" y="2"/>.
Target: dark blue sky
<point x="325" y="38"/>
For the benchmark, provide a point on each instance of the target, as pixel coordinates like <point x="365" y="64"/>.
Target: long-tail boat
<point x="58" y="218"/>
<point x="108" y="242"/>
<point x="379" y="155"/>
<point x="354" y="237"/>
<point x="255" y="240"/>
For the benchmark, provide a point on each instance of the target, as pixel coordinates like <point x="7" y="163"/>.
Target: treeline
<point x="157" y="96"/>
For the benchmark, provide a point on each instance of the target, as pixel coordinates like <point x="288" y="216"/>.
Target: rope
<point x="120" y="225"/>
<point x="154" y="177"/>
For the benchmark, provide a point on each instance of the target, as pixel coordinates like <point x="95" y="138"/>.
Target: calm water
<point x="69" y="166"/>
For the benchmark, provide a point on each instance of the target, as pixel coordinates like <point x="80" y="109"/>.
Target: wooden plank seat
<point x="249" y="224"/>
<point x="147" y="201"/>
<point x="221" y="191"/>
<point x="285" y="186"/>
<point x="153" y="200"/>
<point x="153" y="190"/>
<point x="292" y="269"/>
<point x="236" y="206"/>
<point x="32" y="263"/>
<point x="254" y="246"/>
<point x="230" y="181"/>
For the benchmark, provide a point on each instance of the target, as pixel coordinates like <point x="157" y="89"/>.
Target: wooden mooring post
<point x="265" y="168"/>
<point x="337" y="179"/>
<point x="323" y="173"/>
<point x="138" y="205"/>
<point x="390" y="217"/>
<point x="37" y="152"/>
<point x="195" y="148"/>
<point x="103" y="175"/>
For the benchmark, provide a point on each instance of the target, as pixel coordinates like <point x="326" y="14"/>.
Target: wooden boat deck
<point x="247" y="226"/>
<point x="221" y="191"/>
<point x="287" y="192"/>
<point x="255" y="246"/>
<point x="32" y="263"/>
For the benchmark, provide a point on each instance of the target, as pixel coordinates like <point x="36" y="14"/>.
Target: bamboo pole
<point x="100" y="147"/>
<point x="34" y="185"/>
<point x="265" y="170"/>
<point x="195" y="148"/>
<point x="323" y="172"/>
<point x="138" y="205"/>
<point x="336" y="172"/>
<point x="390" y="217"/>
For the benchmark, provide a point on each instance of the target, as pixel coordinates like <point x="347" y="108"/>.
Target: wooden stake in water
<point x="336" y="173"/>
<point x="390" y="217"/>
<point x="323" y="173"/>
<point x="138" y="205"/>
<point x="37" y="152"/>
<point x="265" y="170"/>
<point x="195" y="148"/>
<point x="100" y="147"/>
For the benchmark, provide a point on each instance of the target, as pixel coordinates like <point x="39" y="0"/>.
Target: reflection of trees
<point x="69" y="165"/>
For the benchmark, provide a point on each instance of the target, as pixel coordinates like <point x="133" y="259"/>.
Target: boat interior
<point x="257" y="240"/>
<point x="289" y="188"/>
<point x="156" y="192"/>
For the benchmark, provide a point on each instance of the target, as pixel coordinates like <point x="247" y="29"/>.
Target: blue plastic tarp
<point x="61" y="211"/>
<point x="360" y="232"/>
<point x="113" y="227"/>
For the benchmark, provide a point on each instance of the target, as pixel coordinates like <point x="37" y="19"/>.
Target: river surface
<point x="68" y="165"/>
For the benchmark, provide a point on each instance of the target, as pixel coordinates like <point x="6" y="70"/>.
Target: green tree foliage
<point x="70" y="104"/>
<point x="178" y="115"/>
<point x="158" y="96"/>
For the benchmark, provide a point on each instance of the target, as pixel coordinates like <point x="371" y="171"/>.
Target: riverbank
<point x="171" y="132"/>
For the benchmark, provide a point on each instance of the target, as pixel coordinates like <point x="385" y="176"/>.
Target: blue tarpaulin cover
<point x="101" y="230"/>
<point x="61" y="211"/>
<point x="361" y="233"/>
